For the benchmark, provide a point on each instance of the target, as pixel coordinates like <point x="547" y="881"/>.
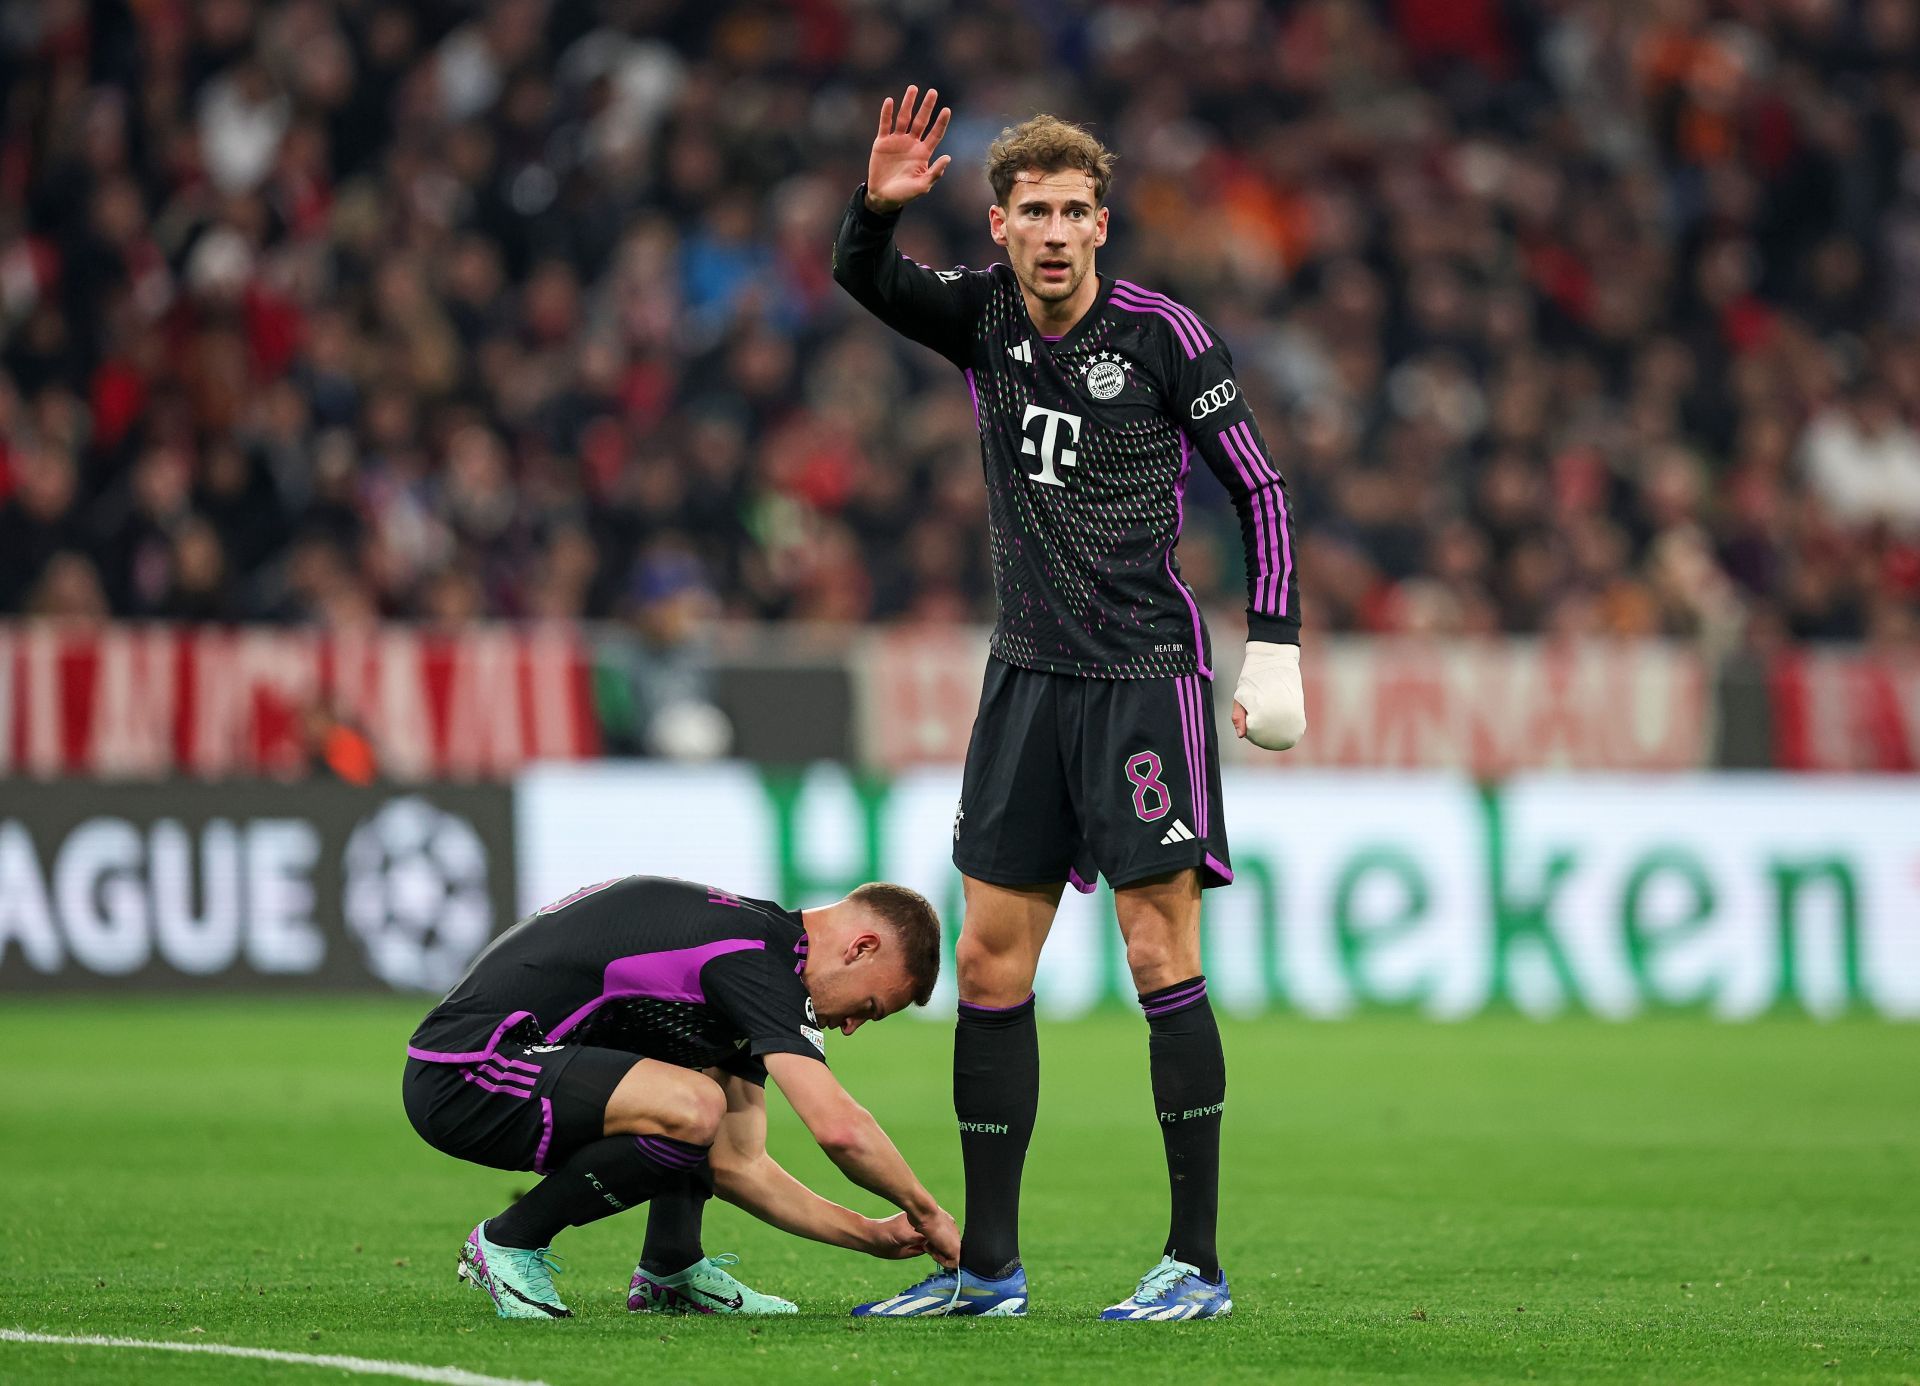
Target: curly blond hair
<point x="1050" y="145"/>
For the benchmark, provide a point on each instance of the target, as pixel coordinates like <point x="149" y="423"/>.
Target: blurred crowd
<point x="1571" y="316"/>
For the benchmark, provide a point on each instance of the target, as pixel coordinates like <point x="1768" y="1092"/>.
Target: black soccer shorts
<point x="525" y="1106"/>
<point x="1071" y="776"/>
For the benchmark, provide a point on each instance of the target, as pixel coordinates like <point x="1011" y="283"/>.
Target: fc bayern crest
<point x="1106" y="375"/>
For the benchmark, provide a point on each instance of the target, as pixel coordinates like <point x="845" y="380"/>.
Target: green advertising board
<point x="1609" y="895"/>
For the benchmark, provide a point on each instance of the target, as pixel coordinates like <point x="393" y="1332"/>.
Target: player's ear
<point x="863" y="945"/>
<point x="1100" y="227"/>
<point x="997" y="223"/>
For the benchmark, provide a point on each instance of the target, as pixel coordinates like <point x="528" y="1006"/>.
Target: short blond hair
<point x="1047" y="144"/>
<point x="914" y="923"/>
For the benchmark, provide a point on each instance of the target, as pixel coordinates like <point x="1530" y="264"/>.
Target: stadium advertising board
<point x="127" y="701"/>
<point x="1612" y="895"/>
<point x="249" y="886"/>
<point x="1488" y="708"/>
<point x="1840" y="710"/>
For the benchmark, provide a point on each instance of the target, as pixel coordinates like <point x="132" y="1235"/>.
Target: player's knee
<point x="990" y="976"/>
<point x="1148" y="958"/>
<point x="1160" y="957"/>
<point x="696" y="1111"/>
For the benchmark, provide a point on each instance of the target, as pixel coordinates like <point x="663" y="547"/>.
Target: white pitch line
<point x="444" y="1376"/>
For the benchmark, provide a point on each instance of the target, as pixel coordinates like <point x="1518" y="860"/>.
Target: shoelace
<point x="1158" y="1281"/>
<point x="927" y="1284"/>
<point x="539" y="1266"/>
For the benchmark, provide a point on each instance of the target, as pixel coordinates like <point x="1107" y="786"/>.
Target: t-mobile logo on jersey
<point x="1048" y="449"/>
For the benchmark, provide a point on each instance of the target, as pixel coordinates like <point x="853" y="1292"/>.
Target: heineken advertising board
<point x="1615" y="896"/>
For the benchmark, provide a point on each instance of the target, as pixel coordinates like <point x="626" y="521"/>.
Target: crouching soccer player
<point x="618" y="1042"/>
<point x="1094" y="749"/>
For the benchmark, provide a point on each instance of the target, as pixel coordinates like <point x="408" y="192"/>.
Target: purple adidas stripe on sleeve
<point x="1187" y="326"/>
<point x="1274" y="559"/>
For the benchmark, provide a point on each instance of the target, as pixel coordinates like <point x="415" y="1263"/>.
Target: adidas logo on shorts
<point x="1179" y="832"/>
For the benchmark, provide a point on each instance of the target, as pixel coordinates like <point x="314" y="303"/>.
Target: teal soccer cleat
<point x="1174" y="1290"/>
<point x="519" y="1282"/>
<point x="704" y="1287"/>
<point x="954" y="1294"/>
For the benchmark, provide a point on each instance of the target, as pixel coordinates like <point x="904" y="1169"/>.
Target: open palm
<point x="901" y="166"/>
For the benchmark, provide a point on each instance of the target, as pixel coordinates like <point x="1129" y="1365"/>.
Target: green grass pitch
<point x="1667" y="1201"/>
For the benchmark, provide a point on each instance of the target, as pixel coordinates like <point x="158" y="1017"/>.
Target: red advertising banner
<point x="1488" y="708"/>
<point x="1843" y="710"/>
<point x="1495" y="707"/>
<point x="142" y="701"/>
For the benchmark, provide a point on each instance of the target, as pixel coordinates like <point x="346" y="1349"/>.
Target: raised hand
<point x="901" y="166"/>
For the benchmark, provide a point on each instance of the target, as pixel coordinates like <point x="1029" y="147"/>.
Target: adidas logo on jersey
<point x="1179" y="832"/>
<point x="1022" y="353"/>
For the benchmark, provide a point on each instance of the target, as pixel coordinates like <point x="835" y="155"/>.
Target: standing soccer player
<point x="1094" y="748"/>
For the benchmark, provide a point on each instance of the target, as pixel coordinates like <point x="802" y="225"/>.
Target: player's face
<point x="1050" y="226"/>
<point x="870" y="985"/>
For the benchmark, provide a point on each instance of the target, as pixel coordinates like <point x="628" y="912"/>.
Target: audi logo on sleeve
<point x="1219" y="397"/>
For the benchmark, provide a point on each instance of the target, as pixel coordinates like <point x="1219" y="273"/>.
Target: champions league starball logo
<point x="1106" y="374"/>
<point x="416" y="894"/>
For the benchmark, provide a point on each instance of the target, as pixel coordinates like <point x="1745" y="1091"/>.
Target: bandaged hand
<point x="1268" y="707"/>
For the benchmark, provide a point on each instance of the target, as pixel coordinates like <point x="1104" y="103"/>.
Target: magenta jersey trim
<point x="1276" y="549"/>
<point x="1268" y="556"/>
<point x="1185" y="314"/>
<point x="1084" y="887"/>
<point x="1180" y="524"/>
<point x="672" y="975"/>
<point x="546" y="1136"/>
<point x="500" y="1088"/>
<point x="1186" y="343"/>
<point x="475" y="1056"/>
<point x="1186" y="734"/>
<point x="973" y="390"/>
<point x="1219" y="868"/>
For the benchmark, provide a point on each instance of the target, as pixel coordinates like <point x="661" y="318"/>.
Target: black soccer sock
<point x="596" y="1181"/>
<point x="1189" y="1092"/>
<point x="673" y="1224"/>
<point x="996" y="1090"/>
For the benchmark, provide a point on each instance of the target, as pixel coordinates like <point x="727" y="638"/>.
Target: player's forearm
<point x="867" y="1157"/>
<point x="863" y="252"/>
<point x="761" y="1187"/>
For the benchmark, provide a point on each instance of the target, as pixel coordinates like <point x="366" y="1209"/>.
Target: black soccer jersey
<point x="662" y="968"/>
<point x="1087" y="443"/>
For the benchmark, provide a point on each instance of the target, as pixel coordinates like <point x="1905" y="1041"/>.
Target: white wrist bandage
<point x="1269" y="690"/>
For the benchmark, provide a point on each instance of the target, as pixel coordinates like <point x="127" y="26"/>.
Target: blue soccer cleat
<point x="954" y="1294"/>
<point x="1175" y="1290"/>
